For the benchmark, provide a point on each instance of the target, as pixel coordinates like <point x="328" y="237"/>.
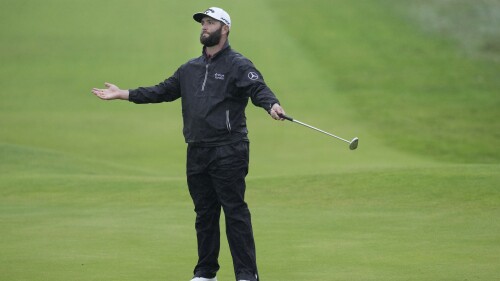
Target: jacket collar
<point x="224" y="49"/>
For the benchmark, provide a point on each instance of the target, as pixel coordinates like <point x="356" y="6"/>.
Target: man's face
<point x="211" y="32"/>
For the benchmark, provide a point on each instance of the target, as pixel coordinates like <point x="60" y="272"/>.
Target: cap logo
<point x="253" y="76"/>
<point x="209" y="11"/>
<point x="225" y="21"/>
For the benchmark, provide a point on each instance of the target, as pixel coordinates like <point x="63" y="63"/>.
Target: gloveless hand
<point x="112" y="92"/>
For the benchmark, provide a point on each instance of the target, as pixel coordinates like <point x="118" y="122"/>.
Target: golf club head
<point x="354" y="144"/>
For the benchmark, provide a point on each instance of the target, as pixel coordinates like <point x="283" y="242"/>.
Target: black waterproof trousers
<point x="216" y="178"/>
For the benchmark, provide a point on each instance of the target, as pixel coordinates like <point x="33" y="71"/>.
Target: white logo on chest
<point x="219" y="76"/>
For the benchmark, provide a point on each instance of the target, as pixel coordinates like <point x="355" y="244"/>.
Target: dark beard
<point x="212" y="39"/>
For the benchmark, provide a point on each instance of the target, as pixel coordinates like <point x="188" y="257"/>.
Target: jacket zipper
<point x="206" y="76"/>
<point x="228" y="121"/>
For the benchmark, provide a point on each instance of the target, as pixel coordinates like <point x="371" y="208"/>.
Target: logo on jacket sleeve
<point x="253" y="76"/>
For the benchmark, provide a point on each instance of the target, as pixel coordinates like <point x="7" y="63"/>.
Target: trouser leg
<point x="207" y="208"/>
<point x="228" y="176"/>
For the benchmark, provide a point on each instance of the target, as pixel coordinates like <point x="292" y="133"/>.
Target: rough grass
<point x="473" y="25"/>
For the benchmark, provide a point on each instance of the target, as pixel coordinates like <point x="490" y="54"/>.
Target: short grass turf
<point x="93" y="190"/>
<point x="436" y="223"/>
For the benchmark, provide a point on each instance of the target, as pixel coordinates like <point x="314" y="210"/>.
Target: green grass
<point x="93" y="190"/>
<point x="421" y="92"/>
<point x="410" y="224"/>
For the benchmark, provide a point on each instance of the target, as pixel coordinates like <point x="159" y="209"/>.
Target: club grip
<point x="285" y="117"/>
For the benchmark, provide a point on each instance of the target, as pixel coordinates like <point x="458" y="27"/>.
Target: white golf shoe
<point x="204" y="279"/>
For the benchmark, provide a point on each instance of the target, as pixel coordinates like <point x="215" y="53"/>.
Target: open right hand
<point x="111" y="92"/>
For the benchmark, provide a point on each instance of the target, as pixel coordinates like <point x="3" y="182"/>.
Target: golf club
<point x="353" y="144"/>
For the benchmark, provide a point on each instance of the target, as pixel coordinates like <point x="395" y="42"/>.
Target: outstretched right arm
<point x="168" y="90"/>
<point x="111" y="92"/>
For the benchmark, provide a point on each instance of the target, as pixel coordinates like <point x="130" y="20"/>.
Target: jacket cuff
<point x="132" y="95"/>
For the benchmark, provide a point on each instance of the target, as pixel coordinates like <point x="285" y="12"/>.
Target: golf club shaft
<point x="311" y="127"/>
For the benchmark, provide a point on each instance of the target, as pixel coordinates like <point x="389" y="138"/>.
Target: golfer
<point x="214" y="90"/>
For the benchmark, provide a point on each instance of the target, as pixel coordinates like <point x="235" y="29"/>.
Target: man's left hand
<point x="276" y="111"/>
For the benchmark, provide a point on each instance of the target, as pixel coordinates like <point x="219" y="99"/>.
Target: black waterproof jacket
<point x="214" y="93"/>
